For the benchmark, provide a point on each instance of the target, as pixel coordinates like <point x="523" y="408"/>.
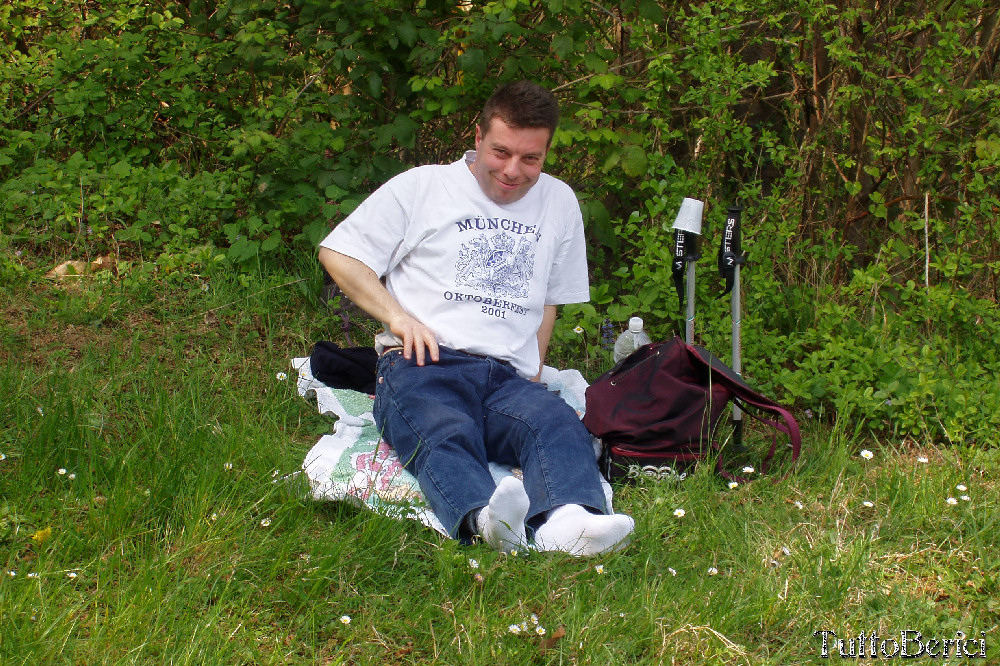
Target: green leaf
<point x="375" y="85"/>
<point x="651" y="10"/>
<point x="634" y="160"/>
<point x="407" y="32"/>
<point x="598" y="222"/>
<point x="271" y="242"/>
<point x="612" y="160"/>
<point x="334" y="192"/>
<point x="562" y="45"/>
<point x="473" y="61"/>
<point x="595" y="63"/>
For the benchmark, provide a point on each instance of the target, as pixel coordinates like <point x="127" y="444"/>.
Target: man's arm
<point x="360" y="284"/>
<point x="549" y="314"/>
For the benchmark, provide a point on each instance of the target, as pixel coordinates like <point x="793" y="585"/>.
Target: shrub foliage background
<point x="863" y="144"/>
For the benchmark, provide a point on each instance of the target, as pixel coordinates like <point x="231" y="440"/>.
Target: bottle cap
<point x="635" y="324"/>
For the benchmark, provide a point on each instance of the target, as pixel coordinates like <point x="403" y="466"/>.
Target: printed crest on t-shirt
<point x="496" y="265"/>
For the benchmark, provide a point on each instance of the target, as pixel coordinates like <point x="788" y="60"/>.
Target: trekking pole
<point x="687" y="228"/>
<point x="730" y="259"/>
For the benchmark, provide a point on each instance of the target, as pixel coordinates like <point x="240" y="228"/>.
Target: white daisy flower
<point x="965" y="498"/>
<point x="228" y="466"/>
<point x="733" y="485"/>
<point x="266" y="522"/>
<point x="540" y="630"/>
<point x="798" y="504"/>
<point x="578" y="330"/>
<point x="345" y="619"/>
<point x="951" y="500"/>
<point x="922" y="459"/>
<point x="712" y="571"/>
<point x="867" y="504"/>
<point x="866" y="454"/>
<point x="599" y="568"/>
<point x="281" y="376"/>
<point x="514" y="629"/>
<point x="961" y="487"/>
<point x="61" y="471"/>
<point x="473" y="564"/>
<point x="71" y="574"/>
<point x="673" y="572"/>
<point x="748" y="470"/>
<point x="679" y="513"/>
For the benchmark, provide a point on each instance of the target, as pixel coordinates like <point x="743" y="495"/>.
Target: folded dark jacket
<point x="346" y="368"/>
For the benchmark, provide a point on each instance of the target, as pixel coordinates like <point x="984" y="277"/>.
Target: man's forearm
<point x="360" y="284"/>
<point x="549" y="314"/>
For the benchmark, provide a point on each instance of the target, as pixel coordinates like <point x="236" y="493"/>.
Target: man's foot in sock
<point x="574" y="530"/>
<point x="501" y="522"/>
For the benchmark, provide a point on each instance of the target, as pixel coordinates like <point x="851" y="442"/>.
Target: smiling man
<point x="476" y="256"/>
<point x="509" y="159"/>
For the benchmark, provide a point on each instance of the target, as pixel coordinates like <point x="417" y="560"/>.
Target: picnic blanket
<point x="354" y="464"/>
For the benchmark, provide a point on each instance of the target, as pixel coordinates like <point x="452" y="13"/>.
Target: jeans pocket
<point x="387" y="362"/>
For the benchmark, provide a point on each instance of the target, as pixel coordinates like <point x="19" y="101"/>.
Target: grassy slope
<point x="172" y="543"/>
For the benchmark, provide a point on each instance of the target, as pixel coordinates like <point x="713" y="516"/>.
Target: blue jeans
<point x="447" y="420"/>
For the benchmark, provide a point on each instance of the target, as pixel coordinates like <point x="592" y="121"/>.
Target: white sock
<point x="574" y="530"/>
<point x="501" y="522"/>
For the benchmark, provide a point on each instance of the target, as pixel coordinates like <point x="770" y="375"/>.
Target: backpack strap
<point x="744" y="395"/>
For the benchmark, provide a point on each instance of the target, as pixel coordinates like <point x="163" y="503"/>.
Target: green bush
<point x="863" y="143"/>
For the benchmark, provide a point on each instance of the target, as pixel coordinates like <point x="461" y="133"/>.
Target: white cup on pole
<point x="688" y="221"/>
<point x="689" y="216"/>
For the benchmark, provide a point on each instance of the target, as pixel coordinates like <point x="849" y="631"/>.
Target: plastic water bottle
<point x="631" y="339"/>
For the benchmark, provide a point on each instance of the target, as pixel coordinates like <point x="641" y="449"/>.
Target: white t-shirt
<point x="475" y="272"/>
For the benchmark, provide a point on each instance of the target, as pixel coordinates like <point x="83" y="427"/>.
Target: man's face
<point x="508" y="160"/>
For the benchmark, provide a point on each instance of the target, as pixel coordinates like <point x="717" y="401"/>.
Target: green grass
<point x="174" y="542"/>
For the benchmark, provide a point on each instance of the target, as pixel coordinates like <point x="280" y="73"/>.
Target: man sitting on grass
<point x="475" y="256"/>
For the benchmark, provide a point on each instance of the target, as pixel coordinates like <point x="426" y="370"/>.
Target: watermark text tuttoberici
<point x="907" y="644"/>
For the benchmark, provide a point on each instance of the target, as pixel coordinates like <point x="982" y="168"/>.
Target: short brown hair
<point x="521" y="104"/>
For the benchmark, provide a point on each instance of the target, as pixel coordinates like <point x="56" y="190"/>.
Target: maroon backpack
<point x="660" y="407"/>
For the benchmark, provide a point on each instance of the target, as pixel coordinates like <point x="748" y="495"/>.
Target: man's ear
<point x="479" y="135"/>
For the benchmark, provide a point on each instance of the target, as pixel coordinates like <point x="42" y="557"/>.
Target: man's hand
<point x="417" y="338"/>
